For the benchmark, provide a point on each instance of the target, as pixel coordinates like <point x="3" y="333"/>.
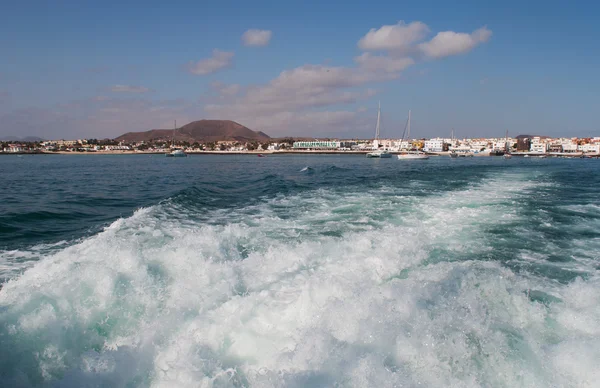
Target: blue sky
<point x="99" y="69"/>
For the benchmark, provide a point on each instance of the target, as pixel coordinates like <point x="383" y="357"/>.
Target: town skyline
<point x="301" y="69"/>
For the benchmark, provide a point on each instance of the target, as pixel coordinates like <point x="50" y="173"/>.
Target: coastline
<point x="293" y="152"/>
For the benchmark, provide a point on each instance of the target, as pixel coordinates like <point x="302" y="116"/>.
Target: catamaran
<point x="377" y="153"/>
<point x="176" y="152"/>
<point x="410" y="154"/>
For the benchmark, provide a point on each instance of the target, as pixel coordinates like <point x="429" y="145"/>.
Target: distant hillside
<point x="201" y="131"/>
<point x="24" y="139"/>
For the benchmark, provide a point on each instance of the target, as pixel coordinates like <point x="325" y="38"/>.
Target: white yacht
<point x="413" y="155"/>
<point x="507" y="154"/>
<point x="377" y="153"/>
<point x="410" y="154"/>
<point x="175" y="152"/>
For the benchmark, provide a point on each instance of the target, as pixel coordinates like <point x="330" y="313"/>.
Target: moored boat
<point x="377" y="153"/>
<point x="410" y="155"/>
<point x="413" y="155"/>
<point x="175" y="152"/>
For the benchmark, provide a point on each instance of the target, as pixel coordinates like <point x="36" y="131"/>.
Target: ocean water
<point x="299" y="271"/>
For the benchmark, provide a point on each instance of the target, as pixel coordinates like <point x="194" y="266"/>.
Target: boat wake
<point x="331" y="286"/>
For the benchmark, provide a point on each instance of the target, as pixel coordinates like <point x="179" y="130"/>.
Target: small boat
<point x="261" y="156"/>
<point x="410" y="155"/>
<point x="507" y="154"/>
<point x="377" y="153"/>
<point x="453" y="154"/>
<point x="175" y="152"/>
<point x="413" y="155"/>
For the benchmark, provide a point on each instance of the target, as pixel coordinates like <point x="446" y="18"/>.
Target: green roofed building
<point x="322" y="145"/>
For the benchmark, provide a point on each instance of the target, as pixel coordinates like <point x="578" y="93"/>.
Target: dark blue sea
<point x="299" y="271"/>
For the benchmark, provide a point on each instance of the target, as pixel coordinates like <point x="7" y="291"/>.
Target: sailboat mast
<point x="408" y="127"/>
<point x="173" y="140"/>
<point x="378" y="120"/>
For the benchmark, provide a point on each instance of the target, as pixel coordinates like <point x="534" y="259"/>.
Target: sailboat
<point x="507" y="154"/>
<point x="453" y="153"/>
<point x="410" y="154"/>
<point x="176" y="152"/>
<point x="378" y="153"/>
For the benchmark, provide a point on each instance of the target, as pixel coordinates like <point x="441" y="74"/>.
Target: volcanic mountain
<point x="201" y="131"/>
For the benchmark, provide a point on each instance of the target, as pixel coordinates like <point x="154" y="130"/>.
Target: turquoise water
<point x="299" y="271"/>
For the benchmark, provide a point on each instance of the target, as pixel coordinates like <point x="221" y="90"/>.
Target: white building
<point x="500" y="145"/>
<point x="569" y="147"/>
<point x="65" y="143"/>
<point x="539" y="147"/>
<point x="317" y="144"/>
<point x="387" y="144"/>
<point x="116" y="148"/>
<point x="434" y="145"/>
<point x="594" y="148"/>
<point x="479" y="144"/>
<point x="400" y="145"/>
<point x="14" y="148"/>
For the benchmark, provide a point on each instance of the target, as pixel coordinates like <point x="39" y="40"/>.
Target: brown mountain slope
<point x="201" y="131"/>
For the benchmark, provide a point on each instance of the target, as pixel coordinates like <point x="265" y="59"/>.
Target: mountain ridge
<point x="200" y="131"/>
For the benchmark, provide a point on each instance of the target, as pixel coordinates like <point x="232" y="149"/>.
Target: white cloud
<point x="404" y="41"/>
<point x="129" y="89"/>
<point x="304" y="86"/>
<point x="257" y="38"/>
<point x="219" y="60"/>
<point x="449" y="43"/>
<point x="292" y="102"/>
<point x="383" y="63"/>
<point x="397" y="37"/>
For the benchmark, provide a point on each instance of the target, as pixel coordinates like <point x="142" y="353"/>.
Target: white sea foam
<point x="15" y="261"/>
<point x="324" y="288"/>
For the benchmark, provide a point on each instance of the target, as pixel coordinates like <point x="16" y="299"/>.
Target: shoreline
<point x="291" y="152"/>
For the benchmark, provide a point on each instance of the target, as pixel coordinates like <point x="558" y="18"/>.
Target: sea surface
<point x="299" y="271"/>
